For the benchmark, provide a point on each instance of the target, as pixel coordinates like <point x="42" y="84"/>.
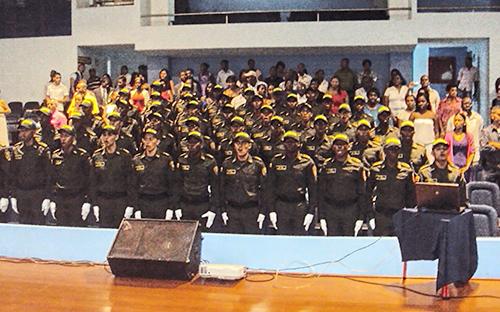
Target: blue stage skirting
<point x="254" y="251"/>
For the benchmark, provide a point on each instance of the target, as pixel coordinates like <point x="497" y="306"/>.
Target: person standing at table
<point x="443" y="171"/>
<point x="390" y="187"/>
<point x="292" y="188"/>
<point x="341" y="189"/>
<point x="242" y="187"/>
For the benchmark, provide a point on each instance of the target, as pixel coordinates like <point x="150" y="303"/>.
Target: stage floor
<point x="56" y="287"/>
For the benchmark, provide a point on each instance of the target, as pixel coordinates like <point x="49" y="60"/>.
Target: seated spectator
<point x="57" y="119"/>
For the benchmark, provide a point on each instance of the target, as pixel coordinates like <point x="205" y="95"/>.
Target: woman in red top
<point x="168" y="85"/>
<point x="138" y="96"/>
<point x="339" y="96"/>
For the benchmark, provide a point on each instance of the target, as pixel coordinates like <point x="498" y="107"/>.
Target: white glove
<point x="260" y="220"/>
<point x="371" y="223"/>
<point x="308" y="219"/>
<point x="13" y="205"/>
<point x="324" y="228"/>
<point x="178" y="213"/>
<point x="357" y="227"/>
<point x="274" y="219"/>
<point x="129" y="211"/>
<point x="4" y="204"/>
<point x="96" y="213"/>
<point x="53" y="208"/>
<point x="85" y="211"/>
<point x="138" y="214"/>
<point x="225" y="218"/>
<point x="169" y="215"/>
<point x="45" y="206"/>
<point x="210" y="218"/>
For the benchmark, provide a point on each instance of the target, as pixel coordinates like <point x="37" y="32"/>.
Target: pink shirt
<point x="58" y="119"/>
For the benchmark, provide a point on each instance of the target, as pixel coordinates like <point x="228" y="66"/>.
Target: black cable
<point x="416" y="291"/>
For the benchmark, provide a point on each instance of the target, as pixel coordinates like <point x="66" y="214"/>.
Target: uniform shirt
<point x="126" y="141"/>
<point x="111" y="174"/>
<point x="30" y="167"/>
<point x="269" y="147"/>
<point x="153" y="175"/>
<point x="198" y="179"/>
<point x="242" y="183"/>
<point x="391" y="188"/>
<point x="414" y="155"/>
<point x="5" y="158"/>
<point x="87" y="140"/>
<point x="318" y="148"/>
<point x="70" y="171"/>
<point x="451" y="174"/>
<point x="341" y="183"/>
<point x="346" y="128"/>
<point x="291" y="179"/>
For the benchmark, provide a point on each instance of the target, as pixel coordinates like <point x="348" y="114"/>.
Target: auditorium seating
<point x="484" y="193"/>
<point x="485" y="220"/>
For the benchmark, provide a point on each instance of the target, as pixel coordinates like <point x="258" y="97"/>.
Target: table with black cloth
<point x="430" y="235"/>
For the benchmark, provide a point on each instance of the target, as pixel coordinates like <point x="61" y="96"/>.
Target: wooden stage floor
<point x="54" y="287"/>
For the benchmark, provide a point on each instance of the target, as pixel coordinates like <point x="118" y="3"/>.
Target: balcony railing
<point x="451" y="6"/>
<point x="275" y="16"/>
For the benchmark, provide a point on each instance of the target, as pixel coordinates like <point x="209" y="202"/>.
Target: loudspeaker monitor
<point x="156" y="249"/>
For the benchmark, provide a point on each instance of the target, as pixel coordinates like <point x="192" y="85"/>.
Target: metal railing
<point x="97" y="3"/>
<point x="292" y="15"/>
<point x="459" y="8"/>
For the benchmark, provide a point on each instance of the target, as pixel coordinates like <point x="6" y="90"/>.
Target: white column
<point x="400" y="14"/>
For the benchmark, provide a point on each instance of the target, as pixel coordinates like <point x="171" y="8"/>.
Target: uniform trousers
<point x="69" y="209"/>
<point x="291" y="217"/>
<point x="340" y="218"/>
<point x="383" y="222"/>
<point x="111" y="210"/>
<point x="154" y="207"/>
<point x="243" y="219"/>
<point x="29" y="204"/>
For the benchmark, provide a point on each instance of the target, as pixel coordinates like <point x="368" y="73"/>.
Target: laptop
<point x="438" y="196"/>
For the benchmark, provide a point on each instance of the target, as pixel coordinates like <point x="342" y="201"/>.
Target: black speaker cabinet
<point x="156" y="249"/>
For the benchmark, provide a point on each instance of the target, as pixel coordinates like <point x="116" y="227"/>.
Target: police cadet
<point x="124" y="140"/>
<point x="226" y="146"/>
<point x="412" y="153"/>
<point x="111" y="180"/>
<point x="363" y="148"/>
<point x="344" y="124"/>
<point x="271" y="144"/>
<point x="292" y="188"/>
<point x="384" y="128"/>
<point x="443" y="171"/>
<point x="242" y="185"/>
<point x="84" y="136"/>
<point x="29" y="172"/>
<point x="358" y="111"/>
<point x="341" y="190"/>
<point x="154" y="180"/>
<point x="305" y="124"/>
<point x="390" y="184"/>
<point x="5" y="158"/>
<point x="69" y="180"/>
<point x="47" y="132"/>
<point x="198" y="184"/>
<point x="318" y="146"/>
